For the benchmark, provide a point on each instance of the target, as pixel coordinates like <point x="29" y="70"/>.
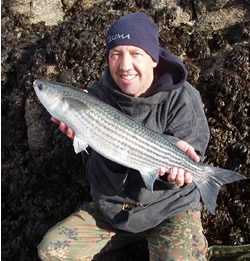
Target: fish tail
<point x="210" y="186"/>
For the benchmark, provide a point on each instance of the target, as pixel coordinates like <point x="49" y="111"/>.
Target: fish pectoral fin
<point x="149" y="178"/>
<point x="79" y="145"/>
<point x="76" y="104"/>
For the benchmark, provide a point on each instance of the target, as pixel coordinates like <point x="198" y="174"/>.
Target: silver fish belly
<point x="122" y="140"/>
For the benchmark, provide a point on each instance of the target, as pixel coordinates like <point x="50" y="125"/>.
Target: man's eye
<point x="137" y="54"/>
<point x="113" y="55"/>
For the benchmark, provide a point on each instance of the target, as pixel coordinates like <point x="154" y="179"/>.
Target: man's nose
<point x="126" y="63"/>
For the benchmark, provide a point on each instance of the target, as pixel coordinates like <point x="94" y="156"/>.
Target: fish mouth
<point x="39" y="85"/>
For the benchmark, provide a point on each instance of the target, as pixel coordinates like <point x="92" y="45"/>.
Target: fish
<point x="121" y="139"/>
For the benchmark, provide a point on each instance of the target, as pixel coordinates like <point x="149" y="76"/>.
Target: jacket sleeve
<point x="187" y="120"/>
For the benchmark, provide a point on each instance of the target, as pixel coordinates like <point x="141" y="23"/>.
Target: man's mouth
<point x="128" y="77"/>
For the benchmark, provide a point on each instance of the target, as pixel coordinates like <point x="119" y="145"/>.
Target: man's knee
<point x="53" y="247"/>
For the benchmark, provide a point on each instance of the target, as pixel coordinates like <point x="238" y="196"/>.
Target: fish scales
<point x="126" y="140"/>
<point x="123" y="140"/>
<point x="140" y="146"/>
<point x="136" y="142"/>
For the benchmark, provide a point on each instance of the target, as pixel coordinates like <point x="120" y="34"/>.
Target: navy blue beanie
<point x="135" y="29"/>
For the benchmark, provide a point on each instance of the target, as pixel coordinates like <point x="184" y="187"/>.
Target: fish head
<point x="53" y="98"/>
<point x="62" y="101"/>
<point x="47" y="93"/>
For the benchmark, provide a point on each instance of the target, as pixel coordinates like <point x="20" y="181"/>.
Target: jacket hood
<point x="170" y="73"/>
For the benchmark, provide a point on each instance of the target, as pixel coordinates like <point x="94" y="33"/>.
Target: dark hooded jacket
<point x="173" y="107"/>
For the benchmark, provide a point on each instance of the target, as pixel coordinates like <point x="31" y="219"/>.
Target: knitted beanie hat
<point x="135" y="29"/>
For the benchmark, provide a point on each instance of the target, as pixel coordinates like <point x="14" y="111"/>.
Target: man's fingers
<point x="172" y="174"/>
<point x="192" y="154"/>
<point x="161" y="171"/>
<point x="64" y="128"/>
<point x="70" y="133"/>
<point x="55" y="120"/>
<point x="188" y="178"/>
<point x="179" y="180"/>
<point x="188" y="149"/>
<point x="179" y="176"/>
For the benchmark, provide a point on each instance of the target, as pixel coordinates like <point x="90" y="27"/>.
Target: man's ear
<point x="154" y="64"/>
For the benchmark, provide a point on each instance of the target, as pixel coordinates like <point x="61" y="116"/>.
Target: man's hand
<point x="64" y="128"/>
<point x="178" y="175"/>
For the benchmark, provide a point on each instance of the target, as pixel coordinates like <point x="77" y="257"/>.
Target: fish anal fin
<point x="149" y="178"/>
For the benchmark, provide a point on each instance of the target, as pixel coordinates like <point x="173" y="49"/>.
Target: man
<point x="149" y="84"/>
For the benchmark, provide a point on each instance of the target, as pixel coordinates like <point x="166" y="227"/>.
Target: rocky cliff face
<point x="43" y="180"/>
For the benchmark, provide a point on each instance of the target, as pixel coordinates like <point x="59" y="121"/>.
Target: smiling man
<point x="147" y="83"/>
<point x="131" y="69"/>
<point x="133" y="53"/>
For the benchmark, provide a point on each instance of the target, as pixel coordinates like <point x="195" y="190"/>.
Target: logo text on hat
<point x="117" y="36"/>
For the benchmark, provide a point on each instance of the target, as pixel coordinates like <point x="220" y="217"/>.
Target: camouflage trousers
<point x="86" y="233"/>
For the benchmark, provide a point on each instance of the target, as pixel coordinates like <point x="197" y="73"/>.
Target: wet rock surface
<point x="43" y="179"/>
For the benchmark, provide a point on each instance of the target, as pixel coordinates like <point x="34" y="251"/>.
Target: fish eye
<point x="40" y="86"/>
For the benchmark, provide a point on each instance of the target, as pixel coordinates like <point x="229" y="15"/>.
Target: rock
<point x="48" y="11"/>
<point x="65" y="41"/>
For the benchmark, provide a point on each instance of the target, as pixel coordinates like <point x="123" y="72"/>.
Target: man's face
<point x="131" y="69"/>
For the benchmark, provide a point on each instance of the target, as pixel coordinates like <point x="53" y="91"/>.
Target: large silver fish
<point x="121" y="139"/>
